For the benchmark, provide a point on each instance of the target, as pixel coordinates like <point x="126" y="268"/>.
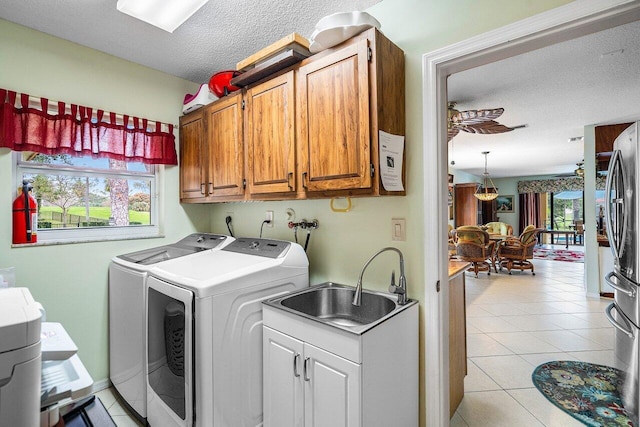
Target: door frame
<point x="572" y="20"/>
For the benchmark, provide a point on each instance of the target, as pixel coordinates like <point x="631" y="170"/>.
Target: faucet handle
<point x="396" y="290"/>
<point x="392" y="285"/>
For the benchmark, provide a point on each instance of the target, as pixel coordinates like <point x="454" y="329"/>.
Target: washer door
<point x="169" y="359"/>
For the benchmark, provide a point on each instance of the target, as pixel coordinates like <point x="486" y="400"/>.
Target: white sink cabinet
<point x="317" y="375"/>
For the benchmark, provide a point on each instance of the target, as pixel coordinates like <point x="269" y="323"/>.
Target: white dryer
<point x="127" y="277"/>
<point x="204" y="331"/>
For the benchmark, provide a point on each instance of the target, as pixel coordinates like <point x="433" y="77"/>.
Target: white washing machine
<point x="204" y="331"/>
<point x="127" y="277"/>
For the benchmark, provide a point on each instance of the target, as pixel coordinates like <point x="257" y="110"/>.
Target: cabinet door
<point x="271" y="156"/>
<point x="332" y="390"/>
<point x="192" y="155"/>
<point x="333" y="103"/>
<point x="282" y="376"/>
<point x="225" y="146"/>
<point x="466" y="204"/>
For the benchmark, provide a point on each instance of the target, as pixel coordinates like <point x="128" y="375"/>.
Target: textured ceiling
<point x="215" y="38"/>
<point x="555" y="91"/>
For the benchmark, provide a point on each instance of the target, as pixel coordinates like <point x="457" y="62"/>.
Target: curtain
<point x="529" y="210"/>
<point x="59" y="128"/>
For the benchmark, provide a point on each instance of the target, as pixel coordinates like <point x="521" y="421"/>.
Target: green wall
<point x="71" y="280"/>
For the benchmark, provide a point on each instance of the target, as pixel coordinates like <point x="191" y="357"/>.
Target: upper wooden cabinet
<point x="192" y="157"/>
<point x="311" y="131"/>
<point x="333" y="101"/>
<point x="225" y="146"/>
<point x="345" y="96"/>
<point x="270" y="136"/>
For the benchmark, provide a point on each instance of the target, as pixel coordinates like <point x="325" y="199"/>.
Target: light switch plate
<point x="398" y="229"/>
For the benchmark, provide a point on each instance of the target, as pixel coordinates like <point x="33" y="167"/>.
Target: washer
<point x="127" y="277"/>
<point x="204" y="331"/>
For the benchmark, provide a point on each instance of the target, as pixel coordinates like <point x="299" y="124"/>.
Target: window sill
<point x="89" y="239"/>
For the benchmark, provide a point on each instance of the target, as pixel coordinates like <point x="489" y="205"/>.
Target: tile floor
<point x="116" y="409"/>
<point x="516" y="322"/>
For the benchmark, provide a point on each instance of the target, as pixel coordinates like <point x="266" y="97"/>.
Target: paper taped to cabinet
<point x="391" y="155"/>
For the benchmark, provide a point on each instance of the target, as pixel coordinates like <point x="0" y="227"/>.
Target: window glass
<point x="83" y="198"/>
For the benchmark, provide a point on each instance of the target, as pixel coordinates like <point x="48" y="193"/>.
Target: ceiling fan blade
<point x="451" y="132"/>
<point x="487" y="128"/>
<point x="477" y="116"/>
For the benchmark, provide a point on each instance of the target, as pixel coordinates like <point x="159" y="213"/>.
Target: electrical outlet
<point x="269" y="217"/>
<point x="398" y="229"/>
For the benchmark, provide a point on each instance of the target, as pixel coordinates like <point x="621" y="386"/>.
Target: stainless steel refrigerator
<point x="623" y="224"/>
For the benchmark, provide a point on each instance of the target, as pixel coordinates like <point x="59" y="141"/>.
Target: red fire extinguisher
<point x="25" y="216"/>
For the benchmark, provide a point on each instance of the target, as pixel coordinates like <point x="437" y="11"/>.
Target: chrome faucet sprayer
<point x="401" y="289"/>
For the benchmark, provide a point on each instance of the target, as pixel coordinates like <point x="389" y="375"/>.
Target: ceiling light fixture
<point x="487" y="195"/>
<point x="165" y="14"/>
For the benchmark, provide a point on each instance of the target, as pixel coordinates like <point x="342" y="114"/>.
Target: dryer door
<point x="169" y="360"/>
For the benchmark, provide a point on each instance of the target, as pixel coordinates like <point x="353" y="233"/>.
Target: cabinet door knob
<point x="296" y="358"/>
<point x="304" y="180"/>
<point x="306" y="369"/>
<point x="202" y="188"/>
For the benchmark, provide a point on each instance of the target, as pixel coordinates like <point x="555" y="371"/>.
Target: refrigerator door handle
<point x="616" y="235"/>
<point x="626" y="329"/>
<point x="620" y="284"/>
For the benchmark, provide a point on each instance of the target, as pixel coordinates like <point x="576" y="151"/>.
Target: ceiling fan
<point x="475" y="121"/>
<point x="579" y="172"/>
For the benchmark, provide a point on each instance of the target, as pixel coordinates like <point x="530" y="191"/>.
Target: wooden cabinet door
<point x="332" y="390"/>
<point x="333" y="121"/>
<point x="457" y="342"/>
<point x="282" y="380"/>
<point x="225" y="147"/>
<point x="192" y="156"/>
<point x="466" y="204"/>
<point x="270" y="136"/>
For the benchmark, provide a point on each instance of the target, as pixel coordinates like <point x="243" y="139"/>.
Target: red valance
<point x="72" y="129"/>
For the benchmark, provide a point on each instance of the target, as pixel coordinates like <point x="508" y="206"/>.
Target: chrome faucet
<point x="401" y="289"/>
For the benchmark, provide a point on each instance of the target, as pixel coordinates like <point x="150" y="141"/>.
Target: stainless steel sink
<point x="330" y="303"/>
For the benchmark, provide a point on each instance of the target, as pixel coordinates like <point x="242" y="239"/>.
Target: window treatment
<point x="35" y="124"/>
<point x="530" y="210"/>
<point x="556" y="185"/>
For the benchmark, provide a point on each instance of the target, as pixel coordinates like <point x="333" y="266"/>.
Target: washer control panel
<point x="202" y="241"/>
<point x="261" y="247"/>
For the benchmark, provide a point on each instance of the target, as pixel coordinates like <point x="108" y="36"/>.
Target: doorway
<point x="564" y="23"/>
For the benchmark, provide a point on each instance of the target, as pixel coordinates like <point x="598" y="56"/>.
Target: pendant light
<point x="487" y="195"/>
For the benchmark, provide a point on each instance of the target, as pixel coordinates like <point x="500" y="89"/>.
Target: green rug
<point x="587" y="392"/>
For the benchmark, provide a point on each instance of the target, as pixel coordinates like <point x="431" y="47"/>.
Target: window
<point x="81" y="198"/>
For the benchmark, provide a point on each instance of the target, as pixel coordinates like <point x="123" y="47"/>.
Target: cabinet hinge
<point x="242" y="106"/>
<point x="244" y="183"/>
<point x="372" y="169"/>
<point x="369" y="54"/>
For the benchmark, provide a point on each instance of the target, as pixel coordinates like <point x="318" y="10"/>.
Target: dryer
<point x="204" y="331"/>
<point x="127" y="276"/>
